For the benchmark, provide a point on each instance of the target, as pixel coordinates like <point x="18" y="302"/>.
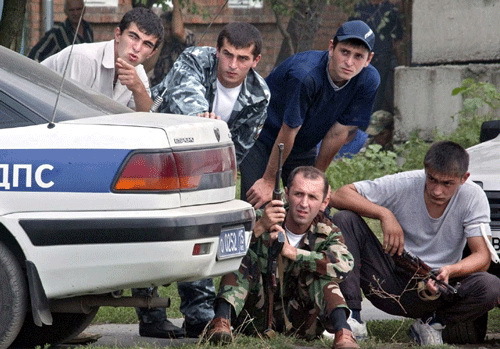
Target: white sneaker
<point x="358" y="329"/>
<point x="426" y="334"/>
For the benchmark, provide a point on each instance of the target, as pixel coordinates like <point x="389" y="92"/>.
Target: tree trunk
<point x="301" y="28"/>
<point x="11" y="25"/>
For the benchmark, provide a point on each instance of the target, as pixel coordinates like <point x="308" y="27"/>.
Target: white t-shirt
<point x="93" y="65"/>
<point x="437" y="241"/>
<point x="293" y="239"/>
<point x="224" y="100"/>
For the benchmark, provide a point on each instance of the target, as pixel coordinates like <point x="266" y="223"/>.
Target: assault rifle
<point x="415" y="265"/>
<point x="272" y="256"/>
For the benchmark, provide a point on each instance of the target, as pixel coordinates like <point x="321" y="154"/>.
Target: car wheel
<point x="468" y="332"/>
<point x="13" y="296"/>
<point x="65" y="326"/>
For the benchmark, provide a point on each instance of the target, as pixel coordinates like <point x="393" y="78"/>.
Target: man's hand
<point x="209" y="115"/>
<point x="393" y="234"/>
<point x="442" y="275"/>
<point x="127" y="75"/>
<point x="274" y="215"/>
<point x="260" y="192"/>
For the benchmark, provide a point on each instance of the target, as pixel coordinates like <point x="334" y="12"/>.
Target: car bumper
<point x="79" y="253"/>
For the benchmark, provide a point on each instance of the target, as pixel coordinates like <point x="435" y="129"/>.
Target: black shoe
<point x="194" y="330"/>
<point x="164" y="329"/>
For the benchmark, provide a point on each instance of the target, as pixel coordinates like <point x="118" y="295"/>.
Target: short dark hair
<point x="309" y="172"/>
<point x="351" y="42"/>
<point x="146" y="20"/>
<point x="241" y="35"/>
<point x="447" y="157"/>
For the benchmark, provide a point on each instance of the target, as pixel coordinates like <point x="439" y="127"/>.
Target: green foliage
<point x="476" y="95"/>
<point x="376" y="162"/>
<point x="370" y="164"/>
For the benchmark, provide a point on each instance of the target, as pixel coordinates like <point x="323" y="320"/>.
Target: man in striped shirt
<point x="62" y="34"/>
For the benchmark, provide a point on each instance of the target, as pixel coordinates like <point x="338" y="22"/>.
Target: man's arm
<point x="261" y="191"/>
<point x="128" y="76"/>
<point x="337" y="136"/>
<point x="478" y="260"/>
<point x="348" y="198"/>
<point x="272" y="214"/>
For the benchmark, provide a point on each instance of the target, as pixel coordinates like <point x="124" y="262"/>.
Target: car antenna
<point x="52" y="119"/>
<point x="159" y="99"/>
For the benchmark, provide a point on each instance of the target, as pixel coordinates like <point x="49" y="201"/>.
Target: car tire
<point x="65" y="326"/>
<point x="13" y="296"/>
<point x="468" y="332"/>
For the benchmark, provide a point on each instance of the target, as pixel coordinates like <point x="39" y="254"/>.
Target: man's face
<point x="74" y="9"/>
<point x="346" y="61"/>
<point x="133" y="45"/>
<point x="440" y="188"/>
<point x="234" y="64"/>
<point x="305" y="199"/>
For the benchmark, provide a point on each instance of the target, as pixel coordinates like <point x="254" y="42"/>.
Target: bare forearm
<point x="337" y="136"/>
<point x="287" y="137"/>
<point x="348" y="198"/>
<point x="326" y="154"/>
<point x="478" y="260"/>
<point x="142" y="100"/>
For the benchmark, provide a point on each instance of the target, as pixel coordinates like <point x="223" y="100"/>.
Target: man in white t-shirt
<point x="114" y="68"/>
<point x="432" y="214"/>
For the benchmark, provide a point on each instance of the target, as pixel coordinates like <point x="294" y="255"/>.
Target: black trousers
<point x="392" y="290"/>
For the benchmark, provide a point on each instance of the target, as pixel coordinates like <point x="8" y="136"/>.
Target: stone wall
<point x="452" y="31"/>
<point x="423" y="97"/>
<point x="451" y="40"/>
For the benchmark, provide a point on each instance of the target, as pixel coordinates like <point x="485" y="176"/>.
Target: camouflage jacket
<point x="321" y="253"/>
<point x="190" y="89"/>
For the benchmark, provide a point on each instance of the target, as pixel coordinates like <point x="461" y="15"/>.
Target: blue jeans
<point x="197" y="302"/>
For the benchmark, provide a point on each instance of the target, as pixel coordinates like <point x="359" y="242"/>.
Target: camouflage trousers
<point x="307" y="299"/>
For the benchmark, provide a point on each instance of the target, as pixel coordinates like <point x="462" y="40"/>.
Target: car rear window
<point x="36" y="87"/>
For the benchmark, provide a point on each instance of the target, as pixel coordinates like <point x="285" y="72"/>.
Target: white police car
<point x="103" y="199"/>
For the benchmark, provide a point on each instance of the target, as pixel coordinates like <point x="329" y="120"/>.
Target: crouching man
<point x="311" y="264"/>
<point x="431" y="213"/>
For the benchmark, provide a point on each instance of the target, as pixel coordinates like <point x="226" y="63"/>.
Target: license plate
<point x="495" y="240"/>
<point x="232" y="243"/>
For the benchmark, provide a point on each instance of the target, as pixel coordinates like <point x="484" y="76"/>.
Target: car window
<point x="13" y="114"/>
<point x="35" y="87"/>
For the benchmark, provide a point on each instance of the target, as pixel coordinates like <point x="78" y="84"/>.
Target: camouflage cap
<point x="379" y="121"/>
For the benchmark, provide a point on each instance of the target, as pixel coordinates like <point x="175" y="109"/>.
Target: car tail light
<point x="183" y="170"/>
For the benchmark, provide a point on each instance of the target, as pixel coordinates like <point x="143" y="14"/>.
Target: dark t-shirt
<point x="302" y="95"/>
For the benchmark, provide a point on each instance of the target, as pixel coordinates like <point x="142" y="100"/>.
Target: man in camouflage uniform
<point x="193" y="85"/>
<point x="312" y="263"/>
<point x="218" y="83"/>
